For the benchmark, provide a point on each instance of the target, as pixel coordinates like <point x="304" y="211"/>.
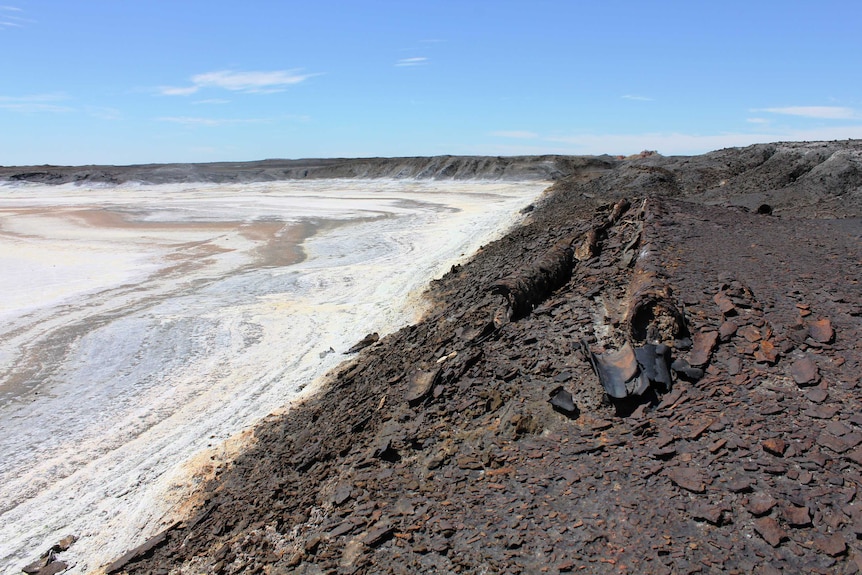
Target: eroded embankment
<point x="449" y="447"/>
<point x="548" y="167"/>
<point x="438" y="448"/>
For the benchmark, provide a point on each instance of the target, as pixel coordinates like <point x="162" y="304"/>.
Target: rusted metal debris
<point x="632" y="371"/>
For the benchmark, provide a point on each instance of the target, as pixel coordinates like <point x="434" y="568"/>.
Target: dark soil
<point x="437" y="450"/>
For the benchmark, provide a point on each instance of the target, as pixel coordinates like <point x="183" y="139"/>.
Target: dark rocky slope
<point x="437" y="449"/>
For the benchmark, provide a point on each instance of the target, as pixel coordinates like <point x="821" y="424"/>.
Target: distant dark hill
<point x="437" y="167"/>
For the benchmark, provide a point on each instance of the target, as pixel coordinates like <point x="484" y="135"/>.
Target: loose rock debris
<point x="735" y="466"/>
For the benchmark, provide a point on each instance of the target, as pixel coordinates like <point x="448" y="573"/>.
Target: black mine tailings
<point x="480" y="440"/>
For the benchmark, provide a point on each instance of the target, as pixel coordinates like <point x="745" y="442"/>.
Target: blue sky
<point x="137" y="81"/>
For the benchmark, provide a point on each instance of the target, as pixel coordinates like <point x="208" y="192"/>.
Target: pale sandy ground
<point x="143" y="326"/>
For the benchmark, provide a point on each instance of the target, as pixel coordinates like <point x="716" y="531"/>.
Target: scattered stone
<point x="834" y="545"/>
<point x="726" y="330"/>
<point x="734" y="366"/>
<point x="822" y="411"/>
<point x="717" y="444"/>
<point x="682" y="368"/>
<point x="821" y="331"/>
<point x="312" y="543"/>
<point x="419" y="384"/>
<point x="342" y="528"/>
<point x="724" y="304"/>
<point x="740" y="484"/>
<point x="688" y="478"/>
<point x="713" y="514"/>
<point x="342" y="492"/>
<point x="771" y="409"/>
<point x="140" y="550"/>
<point x="768" y="528"/>
<point x="774" y="446"/>
<point x="378" y="535"/>
<point x="760" y="504"/>
<point x="664" y="453"/>
<point x="817" y="395"/>
<point x="563" y="402"/>
<point x="46" y="566"/>
<point x="797" y="516"/>
<point x="829" y="441"/>
<point x="804" y="371"/>
<point x="366" y="341"/>
<point x="469" y="462"/>
<point x="704" y="343"/>
<point x="766" y="352"/>
<point x="66" y="542"/>
<point x="855" y="455"/>
<point x="750" y="333"/>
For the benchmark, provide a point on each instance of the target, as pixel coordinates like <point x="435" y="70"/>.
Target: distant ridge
<point x="549" y="167"/>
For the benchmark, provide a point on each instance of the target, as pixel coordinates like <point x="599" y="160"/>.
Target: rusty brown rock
<point x="740" y="484"/>
<point x="704" y="343"/>
<point x="724" y="304"/>
<point x="750" y="333"/>
<point x="419" y="384"/>
<point x="821" y="331"/>
<point x="817" y="395"/>
<point x="797" y="516"/>
<point x="766" y="352"/>
<point x="829" y="441"/>
<point x="774" y="446"/>
<point x="713" y="514"/>
<point x="822" y="411"/>
<point x="726" y="330"/>
<point x="833" y="545"/>
<point x="688" y="478"/>
<point x="378" y="535"/>
<point x="804" y="371"/>
<point x="855" y="455"/>
<point x="760" y="504"/>
<point x="368" y="340"/>
<point x="768" y="528"/>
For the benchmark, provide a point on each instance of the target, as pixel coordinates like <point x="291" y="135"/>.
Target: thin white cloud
<point x="637" y="98"/>
<point x="34" y="103"/>
<point x="198" y="121"/>
<point x="174" y="91"/>
<point x="520" y="134"/>
<point x="818" y="112"/>
<point x="250" y="81"/>
<point x="104" y="113"/>
<point x="757" y="120"/>
<point x="255" y="82"/>
<point x="418" y="61"/>
<point x="10" y="17"/>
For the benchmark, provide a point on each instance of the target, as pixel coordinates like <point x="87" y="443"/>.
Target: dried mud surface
<point x="436" y="450"/>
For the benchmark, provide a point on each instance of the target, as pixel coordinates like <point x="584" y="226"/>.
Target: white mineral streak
<point x="141" y="326"/>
